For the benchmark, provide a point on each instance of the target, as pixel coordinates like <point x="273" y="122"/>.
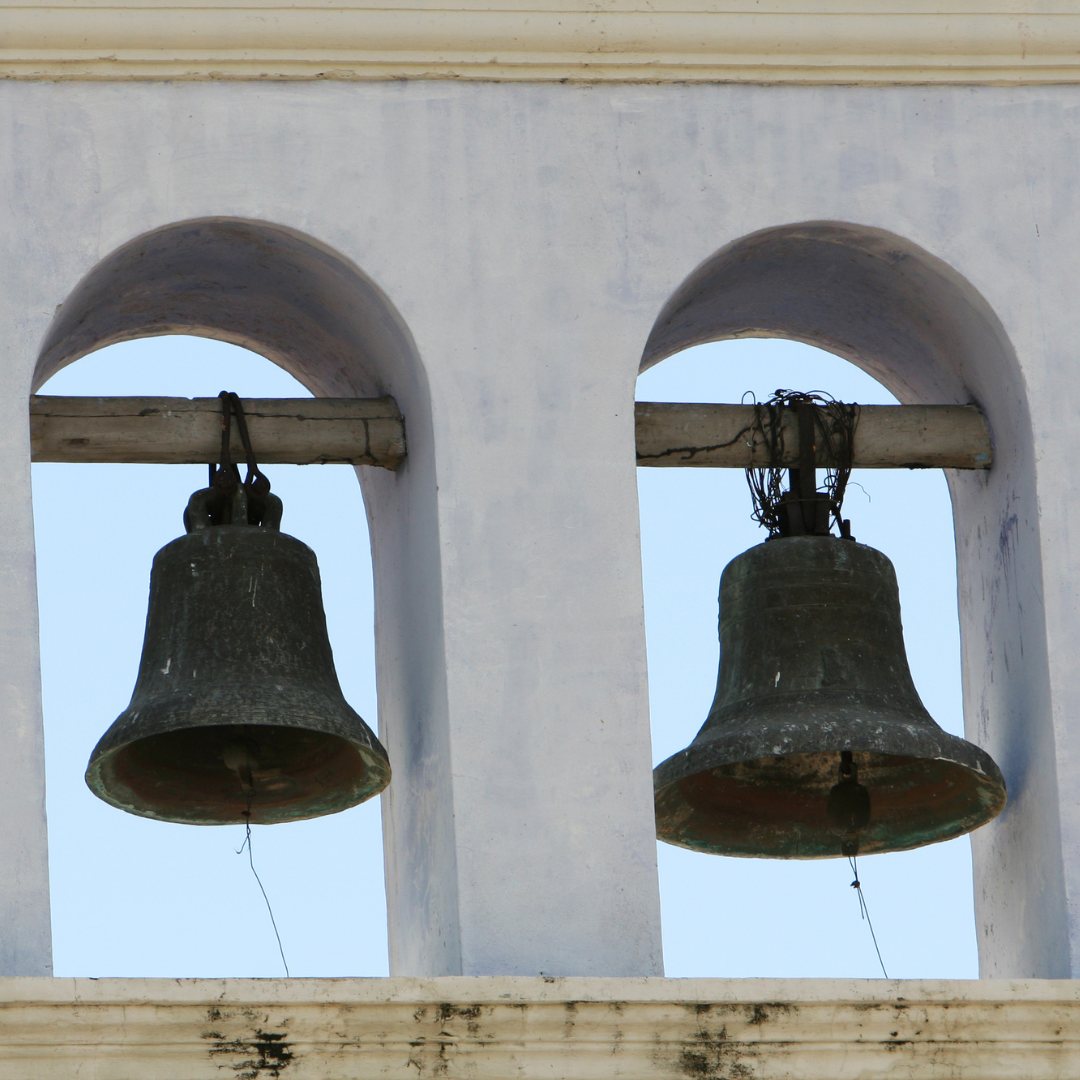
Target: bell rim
<point x="354" y="732"/>
<point x="865" y="730"/>
<point x="886" y="737"/>
<point x="378" y="774"/>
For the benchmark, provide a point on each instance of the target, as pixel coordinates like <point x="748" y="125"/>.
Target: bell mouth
<point x="812" y="670"/>
<point x="182" y="776"/>
<point x="775" y="805"/>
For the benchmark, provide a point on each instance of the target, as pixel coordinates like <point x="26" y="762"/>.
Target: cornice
<point x="774" y="41"/>
<point x="537" y="1028"/>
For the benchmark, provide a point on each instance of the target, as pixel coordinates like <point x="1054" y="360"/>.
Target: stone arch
<point x="292" y="299"/>
<point x="915" y="324"/>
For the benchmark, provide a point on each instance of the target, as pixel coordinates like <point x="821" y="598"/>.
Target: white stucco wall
<point x="528" y="236"/>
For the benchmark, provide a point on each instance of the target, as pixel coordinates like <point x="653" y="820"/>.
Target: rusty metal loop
<point x="255" y="480"/>
<point x="226" y="500"/>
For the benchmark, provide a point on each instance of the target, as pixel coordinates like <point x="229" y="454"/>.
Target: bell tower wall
<point x="523" y="238"/>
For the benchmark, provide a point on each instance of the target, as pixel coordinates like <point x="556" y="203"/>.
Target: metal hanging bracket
<point x="227" y="500"/>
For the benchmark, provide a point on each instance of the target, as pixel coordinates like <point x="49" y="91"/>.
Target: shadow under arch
<point x="916" y="325"/>
<point x="288" y="297"/>
<point x="263" y="286"/>
<point x="869" y="296"/>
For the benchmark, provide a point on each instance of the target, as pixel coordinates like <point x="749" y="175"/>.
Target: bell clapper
<point x="848" y="809"/>
<point x="242" y="757"/>
<point x="848" y="806"/>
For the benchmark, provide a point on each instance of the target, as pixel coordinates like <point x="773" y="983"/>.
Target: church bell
<point x="237" y="714"/>
<point x="817" y="743"/>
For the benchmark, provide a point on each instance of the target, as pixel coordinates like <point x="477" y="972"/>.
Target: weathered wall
<point x="528" y="237"/>
<point x="575" y="1029"/>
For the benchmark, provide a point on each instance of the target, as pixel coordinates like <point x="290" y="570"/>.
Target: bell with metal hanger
<point x="817" y="743"/>
<point x="237" y="714"/>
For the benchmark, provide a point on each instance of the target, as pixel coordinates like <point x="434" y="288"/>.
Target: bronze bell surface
<point x="817" y="743"/>
<point x="237" y="714"/>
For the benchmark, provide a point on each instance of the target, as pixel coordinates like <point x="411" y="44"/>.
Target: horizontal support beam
<point x="886" y="437"/>
<point x="371" y="431"/>
<point x="178" y="431"/>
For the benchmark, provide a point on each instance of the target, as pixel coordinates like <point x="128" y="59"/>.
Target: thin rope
<point x="251" y="863"/>
<point x="864" y="911"/>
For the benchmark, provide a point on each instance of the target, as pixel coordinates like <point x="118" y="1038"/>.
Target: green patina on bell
<point x="237" y="707"/>
<point x="816" y="744"/>
<point x="814" y="680"/>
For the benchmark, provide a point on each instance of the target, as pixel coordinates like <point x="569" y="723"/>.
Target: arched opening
<point x="289" y="299"/>
<point x="908" y="320"/>
<point x="796" y="918"/>
<point x="137" y="897"/>
<point x="250" y="283"/>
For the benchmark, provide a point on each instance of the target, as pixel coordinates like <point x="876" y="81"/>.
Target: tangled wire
<point x="835" y="424"/>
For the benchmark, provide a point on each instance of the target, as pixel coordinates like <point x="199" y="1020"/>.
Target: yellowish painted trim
<point x="838" y="41"/>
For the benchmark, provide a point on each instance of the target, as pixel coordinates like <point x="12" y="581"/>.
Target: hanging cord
<point x="834" y="432"/>
<point x="864" y="911"/>
<point x="251" y="863"/>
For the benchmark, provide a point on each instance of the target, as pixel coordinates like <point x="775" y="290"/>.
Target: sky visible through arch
<point x="781" y="918"/>
<point x="133" y="897"/>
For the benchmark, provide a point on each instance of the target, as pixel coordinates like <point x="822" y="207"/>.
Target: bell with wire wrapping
<point x="237" y="708"/>
<point x="817" y="743"/>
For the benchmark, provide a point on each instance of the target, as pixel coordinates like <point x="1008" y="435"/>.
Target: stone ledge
<point x="558" y="1029"/>
<point x="834" y="41"/>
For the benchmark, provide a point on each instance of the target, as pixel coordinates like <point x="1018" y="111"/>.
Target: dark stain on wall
<point x="262" y="1055"/>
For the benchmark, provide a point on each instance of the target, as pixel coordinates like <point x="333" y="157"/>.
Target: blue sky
<point x="135" y="897"/>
